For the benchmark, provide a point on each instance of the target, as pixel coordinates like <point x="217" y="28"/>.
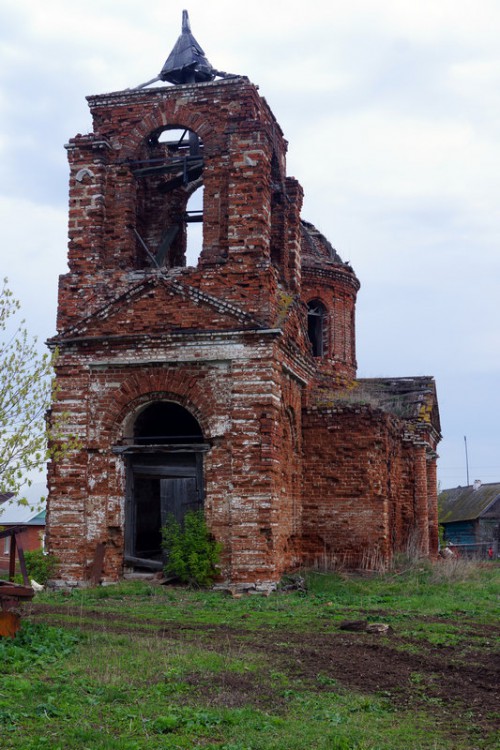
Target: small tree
<point x="25" y="396"/>
<point x="40" y="566"/>
<point x="193" y="554"/>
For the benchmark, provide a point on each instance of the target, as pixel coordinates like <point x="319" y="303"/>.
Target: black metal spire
<point x="187" y="62"/>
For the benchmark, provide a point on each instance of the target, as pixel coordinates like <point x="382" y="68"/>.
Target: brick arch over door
<point x="187" y="387"/>
<point x="166" y="477"/>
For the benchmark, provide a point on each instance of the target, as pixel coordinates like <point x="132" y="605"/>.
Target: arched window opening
<point x="317" y="327"/>
<point x="166" y="422"/>
<point x="194" y="229"/>
<point x="166" y="179"/>
<point x="177" y="140"/>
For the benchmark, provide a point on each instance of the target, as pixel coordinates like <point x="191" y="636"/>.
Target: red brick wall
<point x="363" y="493"/>
<point x="249" y="411"/>
<point x="227" y="340"/>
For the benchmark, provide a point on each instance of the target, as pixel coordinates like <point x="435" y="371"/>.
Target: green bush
<point x="40" y="567"/>
<point x="193" y="554"/>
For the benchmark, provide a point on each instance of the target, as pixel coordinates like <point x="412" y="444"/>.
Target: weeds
<point x="155" y="668"/>
<point x="35" y="645"/>
<point x="193" y="554"/>
<point x="455" y="570"/>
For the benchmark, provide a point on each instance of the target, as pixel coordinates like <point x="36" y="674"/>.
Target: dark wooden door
<point x="177" y="496"/>
<point x="158" y="487"/>
<point x="146" y="542"/>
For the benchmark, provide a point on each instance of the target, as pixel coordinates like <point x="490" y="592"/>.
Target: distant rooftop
<point x="32" y="514"/>
<point x="467" y="503"/>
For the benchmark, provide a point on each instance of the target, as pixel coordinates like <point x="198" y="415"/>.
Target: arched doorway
<point x="164" y="476"/>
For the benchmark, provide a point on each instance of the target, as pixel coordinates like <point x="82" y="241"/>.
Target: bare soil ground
<point x="457" y="685"/>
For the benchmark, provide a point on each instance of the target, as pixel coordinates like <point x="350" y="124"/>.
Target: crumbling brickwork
<point x="225" y="384"/>
<point x="359" y="513"/>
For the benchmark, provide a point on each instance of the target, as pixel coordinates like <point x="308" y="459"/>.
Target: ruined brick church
<point x="227" y="381"/>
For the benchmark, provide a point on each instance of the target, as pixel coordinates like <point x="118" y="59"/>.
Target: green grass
<point x="140" y="667"/>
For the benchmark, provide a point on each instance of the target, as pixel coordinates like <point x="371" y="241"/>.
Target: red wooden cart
<point x="12" y="595"/>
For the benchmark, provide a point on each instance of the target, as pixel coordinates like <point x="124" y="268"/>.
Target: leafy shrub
<point x="35" y="644"/>
<point x="40" y="567"/>
<point x="193" y="554"/>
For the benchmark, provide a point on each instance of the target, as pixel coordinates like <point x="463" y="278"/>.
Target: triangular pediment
<point x="159" y="306"/>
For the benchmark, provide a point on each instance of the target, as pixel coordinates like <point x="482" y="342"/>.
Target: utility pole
<point x="466" y="459"/>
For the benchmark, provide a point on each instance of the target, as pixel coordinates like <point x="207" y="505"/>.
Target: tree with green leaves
<point x="25" y="396"/>
<point x="193" y="555"/>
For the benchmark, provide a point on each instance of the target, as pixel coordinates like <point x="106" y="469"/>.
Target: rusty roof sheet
<point x="467" y="503"/>
<point x="411" y="398"/>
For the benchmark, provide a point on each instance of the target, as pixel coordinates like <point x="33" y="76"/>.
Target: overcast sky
<point x="392" y="113"/>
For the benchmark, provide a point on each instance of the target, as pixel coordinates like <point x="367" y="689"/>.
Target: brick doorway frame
<point x="164" y="475"/>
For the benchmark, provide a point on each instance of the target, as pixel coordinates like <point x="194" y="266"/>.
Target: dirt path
<point x="454" y="684"/>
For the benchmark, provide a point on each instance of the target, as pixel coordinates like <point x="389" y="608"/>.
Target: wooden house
<point x="471" y="517"/>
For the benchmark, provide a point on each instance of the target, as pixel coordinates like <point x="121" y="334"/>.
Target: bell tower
<point x="150" y="152"/>
<point x="172" y="368"/>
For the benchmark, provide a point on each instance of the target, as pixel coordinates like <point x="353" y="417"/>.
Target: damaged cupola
<point x="187" y="62"/>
